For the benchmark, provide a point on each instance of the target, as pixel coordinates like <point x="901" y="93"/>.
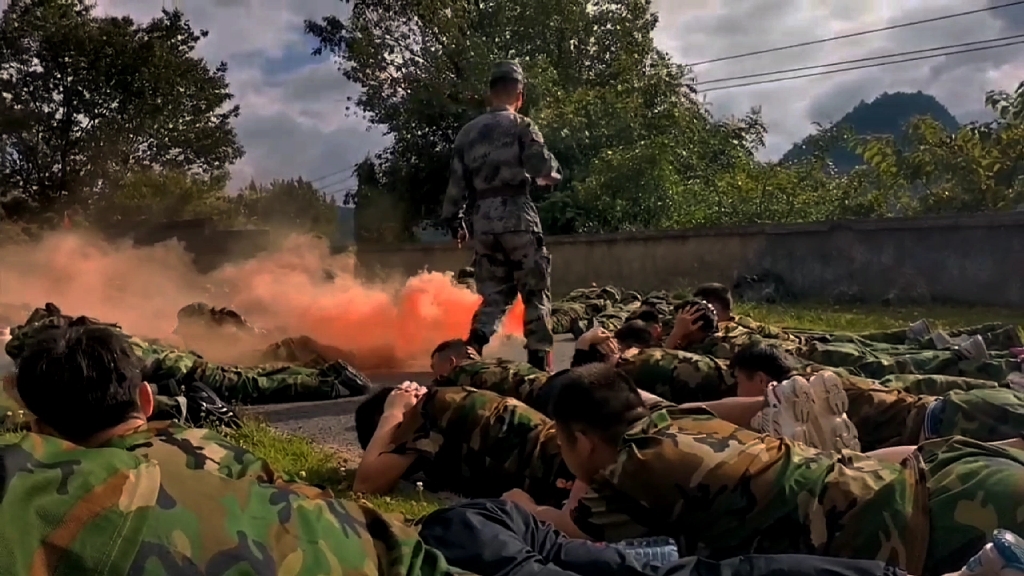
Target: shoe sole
<point x="791" y="414"/>
<point x="830" y="406"/>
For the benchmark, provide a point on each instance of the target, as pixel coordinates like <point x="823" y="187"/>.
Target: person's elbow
<point x="370" y="481"/>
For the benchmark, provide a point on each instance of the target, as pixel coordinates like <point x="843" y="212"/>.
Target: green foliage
<point x="977" y="168"/>
<point x="92" y="98"/>
<point x="886" y="115"/>
<point x="294" y="205"/>
<point x="149" y="195"/>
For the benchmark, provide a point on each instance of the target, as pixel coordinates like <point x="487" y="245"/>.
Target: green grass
<point x="307" y="461"/>
<point x="828" y="318"/>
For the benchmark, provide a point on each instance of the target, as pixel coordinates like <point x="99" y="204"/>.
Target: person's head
<point x="449" y="354"/>
<point x="719" y="296"/>
<point x="637" y="333"/>
<point x="706" y="321"/>
<point x="593" y="408"/>
<point x="369" y="413"/>
<point x="757" y="365"/>
<point x="81" y="380"/>
<point x="506" y="85"/>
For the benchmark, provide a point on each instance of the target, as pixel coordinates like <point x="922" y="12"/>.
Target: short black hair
<point x="635" y="333"/>
<point x="80" y="379"/>
<point x="598" y="399"/>
<point x="369" y="413"/>
<point x="707" y="321"/>
<point x="450" y="346"/>
<point x="760" y="357"/>
<point x="715" y="294"/>
<point x="505" y="87"/>
<point x="647" y="316"/>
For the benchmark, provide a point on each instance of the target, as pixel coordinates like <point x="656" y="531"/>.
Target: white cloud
<point x="293" y="118"/>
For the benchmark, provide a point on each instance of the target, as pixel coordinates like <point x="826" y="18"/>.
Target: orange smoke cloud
<point x="386" y="325"/>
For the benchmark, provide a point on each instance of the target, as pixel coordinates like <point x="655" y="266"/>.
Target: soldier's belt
<point x="503" y="192"/>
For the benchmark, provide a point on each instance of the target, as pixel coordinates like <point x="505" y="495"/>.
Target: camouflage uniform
<point x="997" y="336"/>
<point x="480" y="444"/>
<point x="730" y="338"/>
<point x="508" y="378"/>
<point x="159" y="503"/>
<point x="581" y="305"/>
<point x="877" y="366"/>
<point x="724" y="491"/>
<point x="466" y="277"/>
<point x="679" y="377"/>
<point x="886" y="416"/>
<point x="170" y="370"/>
<point x="494" y="159"/>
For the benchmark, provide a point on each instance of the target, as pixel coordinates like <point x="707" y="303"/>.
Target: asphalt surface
<point x="332" y="423"/>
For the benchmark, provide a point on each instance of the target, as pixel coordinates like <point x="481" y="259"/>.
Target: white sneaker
<point x="831" y="405"/>
<point x="974" y="349"/>
<point x="789" y="412"/>
<point x="1004" y="556"/>
<point x="919" y="330"/>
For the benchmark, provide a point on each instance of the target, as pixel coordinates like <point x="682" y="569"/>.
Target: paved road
<point x="331" y="423"/>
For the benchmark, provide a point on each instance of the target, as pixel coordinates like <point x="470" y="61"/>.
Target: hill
<point x="885" y="115"/>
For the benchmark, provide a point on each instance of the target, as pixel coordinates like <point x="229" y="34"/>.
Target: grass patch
<point x="829" y="318"/>
<point x="304" y="460"/>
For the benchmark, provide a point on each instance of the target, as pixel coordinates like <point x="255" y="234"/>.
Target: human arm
<point x="686" y="324"/>
<point x="455" y="198"/>
<point x="558" y="517"/>
<point x="381" y="467"/>
<point x="538" y="161"/>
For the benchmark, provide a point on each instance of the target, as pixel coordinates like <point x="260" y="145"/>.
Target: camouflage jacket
<point x="497" y="149"/>
<point x="509" y="378"/>
<point x="481" y="445"/>
<point x="678" y="376"/>
<point x="724" y="491"/>
<point x="118" y="511"/>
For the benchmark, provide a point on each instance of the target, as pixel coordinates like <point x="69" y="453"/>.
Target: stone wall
<point x="976" y="259"/>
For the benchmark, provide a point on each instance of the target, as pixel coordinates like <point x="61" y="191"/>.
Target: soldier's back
<point x="490" y="147"/>
<point x="111" y="512"/>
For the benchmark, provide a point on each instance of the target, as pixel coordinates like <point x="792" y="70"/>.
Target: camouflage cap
<point x="507" y="69"/>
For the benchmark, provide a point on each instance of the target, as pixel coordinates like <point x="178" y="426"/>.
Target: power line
<point x="861" y="33"/>
<point x="335" y="173"/>
<point x="857" y="60"/>
<point x="861" y="67"/>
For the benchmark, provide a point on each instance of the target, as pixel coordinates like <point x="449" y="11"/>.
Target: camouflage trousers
<point x="973" y="488"/>
<point x="878" y="366"/>
<point x="274" y="384"/>
<point x="508" y="264"/>
<point x="887" y="417"/>
<point x="996" y="335"/>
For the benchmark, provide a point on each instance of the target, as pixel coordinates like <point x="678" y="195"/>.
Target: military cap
<point x="507" y="69"/>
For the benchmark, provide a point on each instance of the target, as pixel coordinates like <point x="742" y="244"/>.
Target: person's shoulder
<point x="196" y="449"/>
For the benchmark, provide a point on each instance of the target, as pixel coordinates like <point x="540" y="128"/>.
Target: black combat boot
<point x="539" y="359"/>
<point x="477" y="340"/>
<point x="205" y="407"/>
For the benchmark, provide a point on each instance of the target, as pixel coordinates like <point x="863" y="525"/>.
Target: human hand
<point x="462" y="237"/>
<point x="687" y="321"/>
<point x="404" y="397"/>
<point x="593" y="337"/>
<point x="550" y="179"/>
<point x="517" y="496"/>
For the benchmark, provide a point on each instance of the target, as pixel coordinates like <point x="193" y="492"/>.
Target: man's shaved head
<point x="449" y="354"/>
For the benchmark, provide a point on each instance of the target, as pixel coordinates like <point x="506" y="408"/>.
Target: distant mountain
<point x="887" y="114"/>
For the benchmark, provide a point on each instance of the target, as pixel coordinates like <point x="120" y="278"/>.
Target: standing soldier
<point x="495" y="157"/>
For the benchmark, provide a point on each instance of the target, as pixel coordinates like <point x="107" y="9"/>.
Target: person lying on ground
<point x="885" y="416"/>
<point x="172" y="370"/>
<point x="502" y="538"/>
<point x="691" y="332"/>
<point x="721" y="490"/>
<point x="920" y="335"/>
<point x="99" y="490"/>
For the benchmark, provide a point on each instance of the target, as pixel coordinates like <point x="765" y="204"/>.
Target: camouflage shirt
<point x="724" y="491"/>
<point x="509" y="378"/>
<point x="481" y="445"/>
<point x="678" y="376"/>
<point x="497" y="149"/>
<point x="723" y="344"/>
<point x="121" y="510"/>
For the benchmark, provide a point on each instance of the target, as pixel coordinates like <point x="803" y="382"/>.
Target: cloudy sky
<point x="293" y="118"/>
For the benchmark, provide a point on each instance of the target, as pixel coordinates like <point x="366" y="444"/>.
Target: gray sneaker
<point x="941" y="340"/>
<point x="973" y="349"/>
<point x="919" y="330"/>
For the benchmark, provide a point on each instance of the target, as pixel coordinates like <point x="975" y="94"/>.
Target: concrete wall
<point x="975" y="259"/>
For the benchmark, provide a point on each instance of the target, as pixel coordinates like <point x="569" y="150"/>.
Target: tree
<point x="150" y="195"/>
<point x="294" y="205"/>
<point x="977" y="168"/>
<point x="597" y="86"/>
<point x="90" y="99"/>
